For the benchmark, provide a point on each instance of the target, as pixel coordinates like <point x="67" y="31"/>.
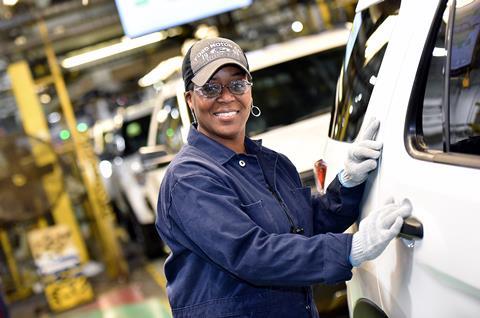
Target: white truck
<point x="117" y="140"/>
<point x="415" y="66"/>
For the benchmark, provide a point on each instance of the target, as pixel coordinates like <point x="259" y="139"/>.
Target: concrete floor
<point x="143" y="295"/>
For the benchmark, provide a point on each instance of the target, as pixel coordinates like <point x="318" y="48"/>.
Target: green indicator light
<point x="134" y="129"/>
<point x="64" y="134"/>
<point x="82" y="127"/>
<point x="170" y="132"/>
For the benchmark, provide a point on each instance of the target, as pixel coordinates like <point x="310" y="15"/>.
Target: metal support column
<point x="325" y="13"/>
<point x="35" y="125"/>
<point x="21" y="291"/>
<point x="97" y="195"/>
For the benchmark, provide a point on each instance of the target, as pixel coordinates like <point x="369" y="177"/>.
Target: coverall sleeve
<point x="209" y="217"/>
<point x="337" y="209"/>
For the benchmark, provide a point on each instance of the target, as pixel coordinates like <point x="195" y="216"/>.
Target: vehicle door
<point x="364" y="89"/>
<point x="364" y="79"/>
<point x="432" y="157"/>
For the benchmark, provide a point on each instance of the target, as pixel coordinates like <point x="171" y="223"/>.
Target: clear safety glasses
<point x="213" y="90"/>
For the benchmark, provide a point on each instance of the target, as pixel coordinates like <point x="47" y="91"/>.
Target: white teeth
<point x="224" y="115"/>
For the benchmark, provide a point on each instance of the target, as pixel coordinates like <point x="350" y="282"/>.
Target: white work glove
<point x="362" y="156"/>
<point x="377" y="230"/>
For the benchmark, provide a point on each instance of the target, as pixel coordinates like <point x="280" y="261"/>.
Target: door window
<point x="449" y="106"/>
<point x="134" y="133"/>
<point x="364" y="54"/>
<point x="464" y="80"/>
<point x="294" y="90"/>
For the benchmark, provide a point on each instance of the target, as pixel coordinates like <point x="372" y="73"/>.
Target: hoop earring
<point x="194" y="122"/>
<point x="255" y="111"/>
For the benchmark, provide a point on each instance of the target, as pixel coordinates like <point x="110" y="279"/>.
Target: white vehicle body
<point x="127" y="169"/>
<point x="303" y="141"/>
<point x="173" y="90"/>
<point x="436" y="276"/>
<point x="116" y="141"/>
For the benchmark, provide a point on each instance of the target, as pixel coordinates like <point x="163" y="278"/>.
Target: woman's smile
<point x="226" y="114"/>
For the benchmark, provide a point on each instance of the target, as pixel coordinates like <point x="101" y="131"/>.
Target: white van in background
<point x="294" y="87"/>
<point x="424" y="87"/>
<point x="167" y="133"/>
<point x="116" y="141"/>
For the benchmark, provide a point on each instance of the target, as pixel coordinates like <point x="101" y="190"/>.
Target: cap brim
<point x="206" y="72"/>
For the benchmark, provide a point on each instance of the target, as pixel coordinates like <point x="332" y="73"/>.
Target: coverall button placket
<point x="241" y="163"/>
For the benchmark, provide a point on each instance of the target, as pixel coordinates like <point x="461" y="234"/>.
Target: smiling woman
<point x="223" y="117"/>
<point x="221" y="98"/>
<point x="235" y="214"/>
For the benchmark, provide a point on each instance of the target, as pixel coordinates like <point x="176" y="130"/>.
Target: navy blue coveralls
<point x="228" y="218"/>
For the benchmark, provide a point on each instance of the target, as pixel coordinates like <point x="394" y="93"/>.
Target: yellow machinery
<point x="34" y="122"/>
<point x="97" y="195"/>
<point x="30" y="188"/>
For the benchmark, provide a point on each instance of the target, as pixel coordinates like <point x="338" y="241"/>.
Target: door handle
<point x="412" y="229"/>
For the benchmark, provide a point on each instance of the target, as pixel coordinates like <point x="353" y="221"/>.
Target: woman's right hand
<point x="377" y="230"/>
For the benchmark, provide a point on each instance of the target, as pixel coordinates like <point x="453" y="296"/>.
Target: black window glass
<point x="135" y="133"/>
<point x="363" y="57"/>
<point x="169" y="125"/>
<point x="294" y="90"/>
<point x="455" y="128"/>
<point x="465" y="80"/>
<point x="432" y="116"/>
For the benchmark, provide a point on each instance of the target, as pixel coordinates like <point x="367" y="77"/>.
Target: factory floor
<point x="142" y="295"/>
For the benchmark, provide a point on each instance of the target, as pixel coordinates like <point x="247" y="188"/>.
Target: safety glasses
<point x="213" y="90"/>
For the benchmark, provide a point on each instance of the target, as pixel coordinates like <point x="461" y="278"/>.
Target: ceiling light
<point x="163" y="70"/>
<point x="162" y="115"/>
<point x="126" y="44"/>
<point x="204" y="31"/>
<point x="54" y="117"/>
<point x="105" y="168"/>
<point x="20" y="40"/>
<point x="10" y="2"/>
<point x="45" y="99"/>
<point x="297" y="26"/>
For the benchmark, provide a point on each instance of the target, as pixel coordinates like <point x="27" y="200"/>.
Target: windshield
<point x="169" y="131"/>
<point x="366" y="48"/>
<point x="294" y="90"/>
<point x="135" y="133"/>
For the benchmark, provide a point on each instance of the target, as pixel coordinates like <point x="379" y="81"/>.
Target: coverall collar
<point x="218" y="151"/>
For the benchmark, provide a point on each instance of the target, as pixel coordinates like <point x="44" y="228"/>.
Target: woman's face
<point x="222" y="118"/>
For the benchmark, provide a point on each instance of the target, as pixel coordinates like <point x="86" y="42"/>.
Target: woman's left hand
<point x="362" y="156"/>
